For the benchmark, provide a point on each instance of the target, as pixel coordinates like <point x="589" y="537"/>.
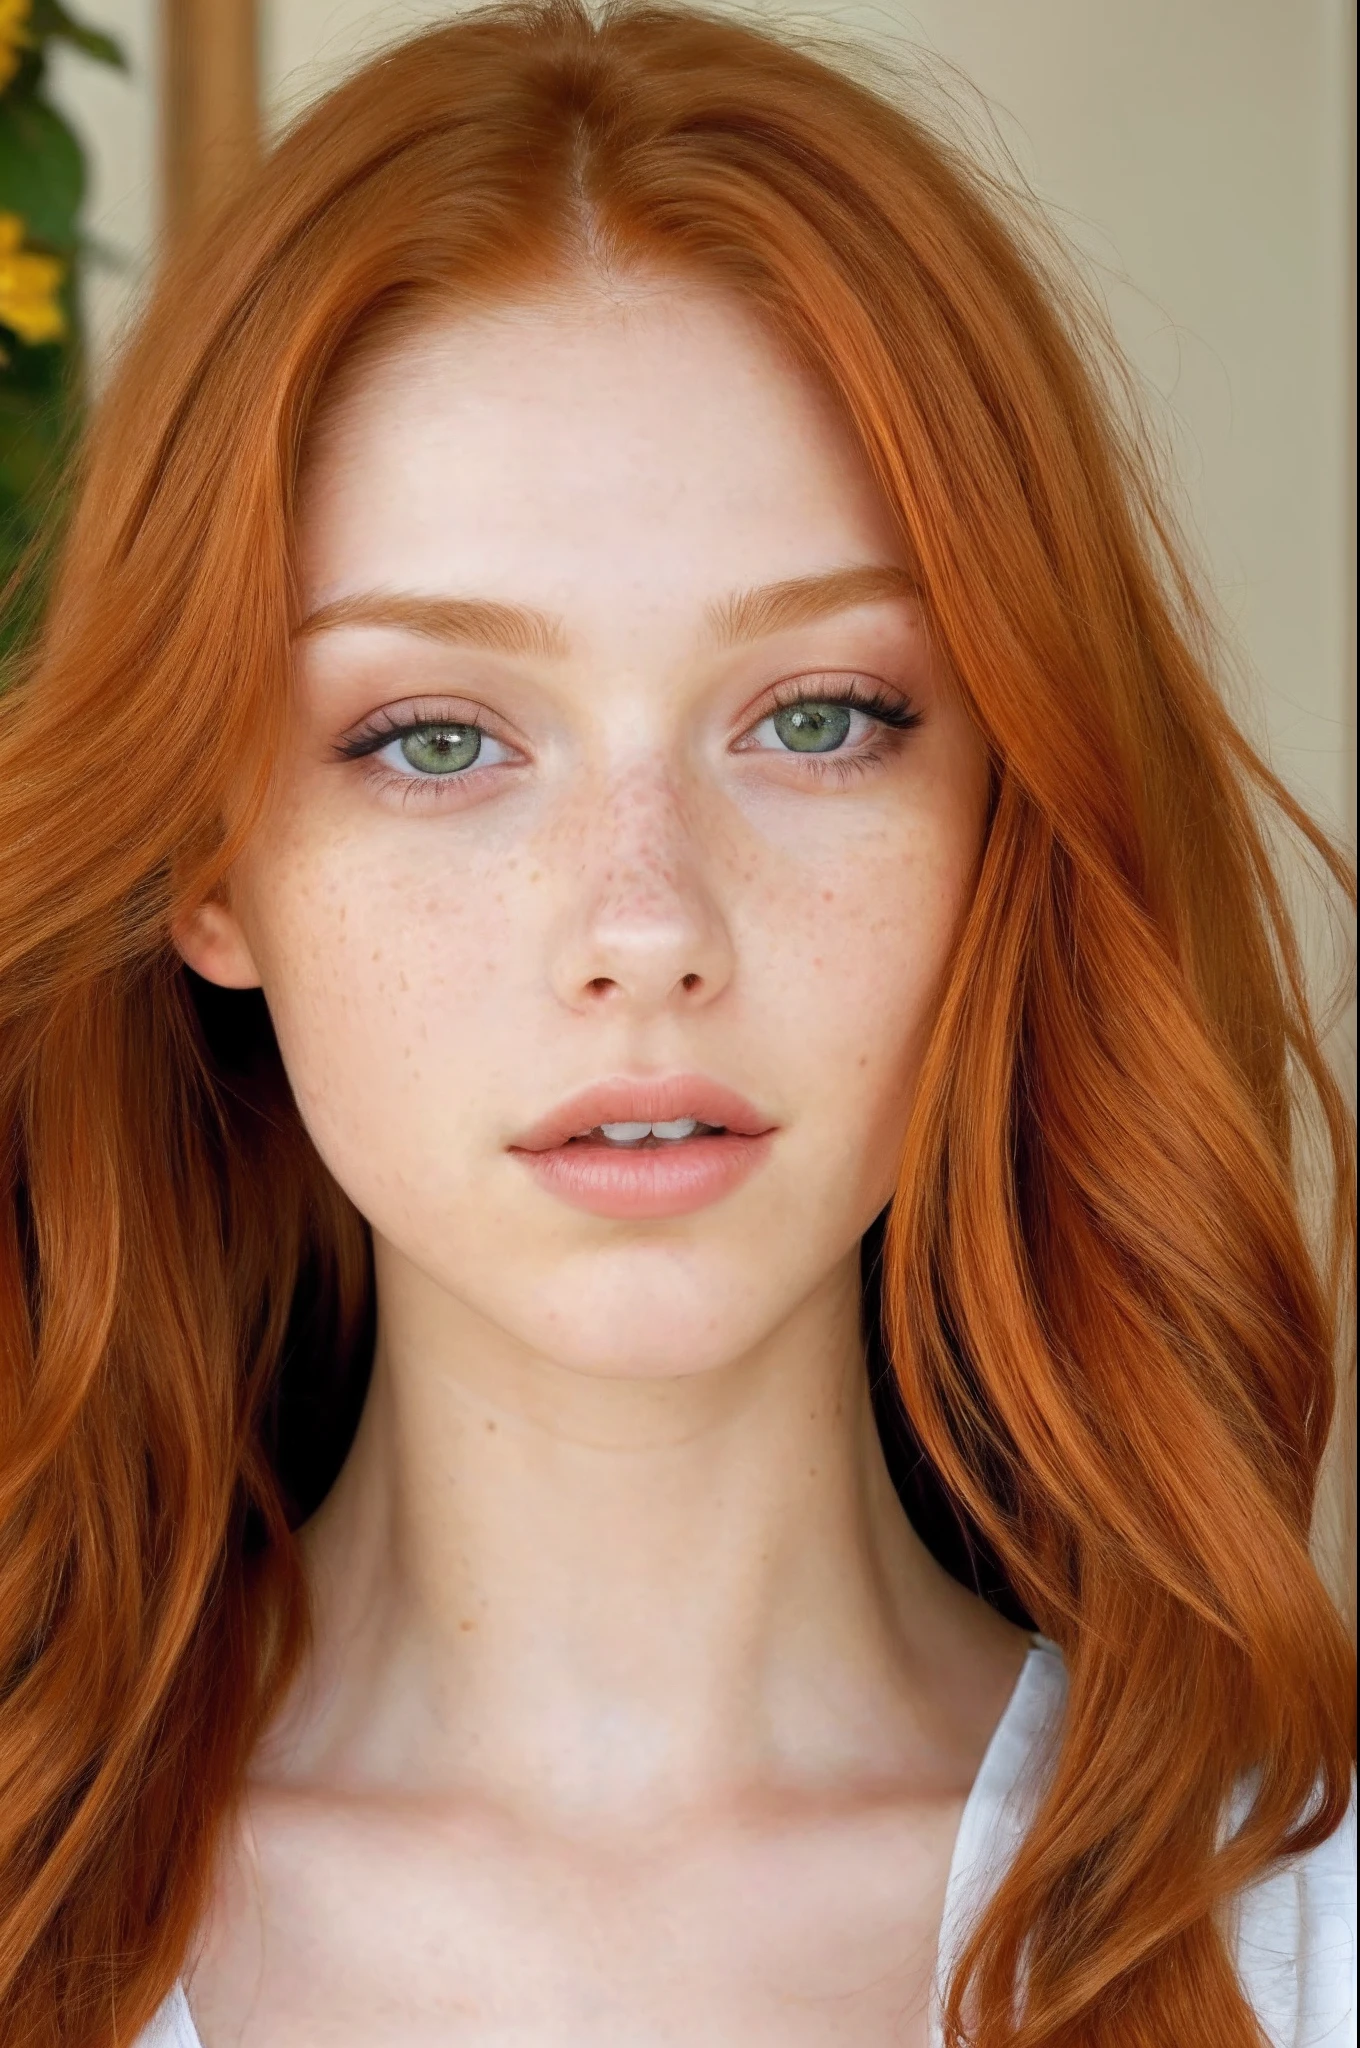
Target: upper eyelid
<point x="408" y="711"/>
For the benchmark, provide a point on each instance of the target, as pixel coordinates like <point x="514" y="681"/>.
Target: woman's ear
<point x="211" y="941"/>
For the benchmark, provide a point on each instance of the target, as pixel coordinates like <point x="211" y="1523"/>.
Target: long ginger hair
<point x="1111" y="1326"/>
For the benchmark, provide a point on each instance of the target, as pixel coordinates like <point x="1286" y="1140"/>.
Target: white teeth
<point x="637" y="1134"/>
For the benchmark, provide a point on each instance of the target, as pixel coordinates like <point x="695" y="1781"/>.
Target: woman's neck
<point x="621" y="1597"/>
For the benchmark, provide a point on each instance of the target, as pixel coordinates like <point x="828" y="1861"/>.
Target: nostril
<point x="600" y="986"/>
<point x="689" y="981"/>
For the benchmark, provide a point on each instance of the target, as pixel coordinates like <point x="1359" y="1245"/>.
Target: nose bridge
<point x="645" y="856"/>
<point x="646" y="926"/>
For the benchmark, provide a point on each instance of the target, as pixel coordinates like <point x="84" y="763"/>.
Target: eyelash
<point x="896" y="715"/>
<point x="383" y="727"/>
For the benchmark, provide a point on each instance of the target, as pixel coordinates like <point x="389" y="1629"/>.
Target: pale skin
<point x="638" y="1714"/>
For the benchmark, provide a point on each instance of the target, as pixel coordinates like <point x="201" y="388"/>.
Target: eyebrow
<point x="519" y="629"/>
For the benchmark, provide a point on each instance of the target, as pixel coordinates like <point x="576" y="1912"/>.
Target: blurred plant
<point x="42" y="183"/>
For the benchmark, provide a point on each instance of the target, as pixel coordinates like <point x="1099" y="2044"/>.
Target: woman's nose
<point x="644" y="930"/>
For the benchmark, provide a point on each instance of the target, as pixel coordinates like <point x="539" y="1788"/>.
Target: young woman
<point x="644" y="1002"/>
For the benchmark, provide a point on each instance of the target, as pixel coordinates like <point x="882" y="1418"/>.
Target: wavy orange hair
<point x="1112" y="1335"/>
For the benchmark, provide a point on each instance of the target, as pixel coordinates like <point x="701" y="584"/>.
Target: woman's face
<point x="623" y="789"/>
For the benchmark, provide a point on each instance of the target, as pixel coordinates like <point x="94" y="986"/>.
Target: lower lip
<point x="647" y="1181"/>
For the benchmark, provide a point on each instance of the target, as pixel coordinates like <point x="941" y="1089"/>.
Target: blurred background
<point x="1199" y="154"/>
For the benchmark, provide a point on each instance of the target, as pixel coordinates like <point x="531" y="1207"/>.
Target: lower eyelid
<point x="411" y="787"/>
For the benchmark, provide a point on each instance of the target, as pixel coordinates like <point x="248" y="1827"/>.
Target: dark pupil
<point x="440" y="749"/>
<point x="812" y="728"/>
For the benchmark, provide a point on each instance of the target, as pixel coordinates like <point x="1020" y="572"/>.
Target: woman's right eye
<point x="433" y="750"/>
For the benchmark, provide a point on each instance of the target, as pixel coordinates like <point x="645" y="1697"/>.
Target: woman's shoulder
<point x="1293" y="1931"/>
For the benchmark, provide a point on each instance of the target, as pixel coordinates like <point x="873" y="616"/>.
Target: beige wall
<point x="1199" y="151"/>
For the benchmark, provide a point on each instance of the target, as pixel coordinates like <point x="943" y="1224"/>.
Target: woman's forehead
<point x="658" y="446"/>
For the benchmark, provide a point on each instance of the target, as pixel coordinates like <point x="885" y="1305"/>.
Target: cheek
<point x="391" y="983"/>
<point x="857" y="938"/>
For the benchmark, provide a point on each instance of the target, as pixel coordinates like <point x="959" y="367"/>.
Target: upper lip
<point x="632" y="1100"/>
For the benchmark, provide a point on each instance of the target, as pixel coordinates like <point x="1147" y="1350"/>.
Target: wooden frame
<point x="210" y="94"/>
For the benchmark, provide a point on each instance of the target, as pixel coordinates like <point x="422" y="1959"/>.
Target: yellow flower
<point x="13" y="16"/>
<point x="28" y="285"/>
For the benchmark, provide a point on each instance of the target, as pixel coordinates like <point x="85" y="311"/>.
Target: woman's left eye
<point x="821" y="725"/>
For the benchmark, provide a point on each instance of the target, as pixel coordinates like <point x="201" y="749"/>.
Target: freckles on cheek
<point x="381" y="972"/>
<point x="861" y="936"/>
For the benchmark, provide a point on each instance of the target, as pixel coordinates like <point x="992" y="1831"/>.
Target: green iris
<point x="442" y="749"/>
<point x="812" y="728"/>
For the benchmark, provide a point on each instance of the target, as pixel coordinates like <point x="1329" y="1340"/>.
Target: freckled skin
<point x="615" y="1554"/>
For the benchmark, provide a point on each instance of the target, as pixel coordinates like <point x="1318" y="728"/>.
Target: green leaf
<point x="29" y="440"/>
<point x="50" y="18"/>
<point x="95" y="44"/>
<point x="42" y="172"/>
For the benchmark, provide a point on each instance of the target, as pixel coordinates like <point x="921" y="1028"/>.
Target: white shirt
<point x="1296" y="1926"/>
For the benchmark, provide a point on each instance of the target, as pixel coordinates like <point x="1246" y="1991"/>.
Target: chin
<point x="647" y="1324"/>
